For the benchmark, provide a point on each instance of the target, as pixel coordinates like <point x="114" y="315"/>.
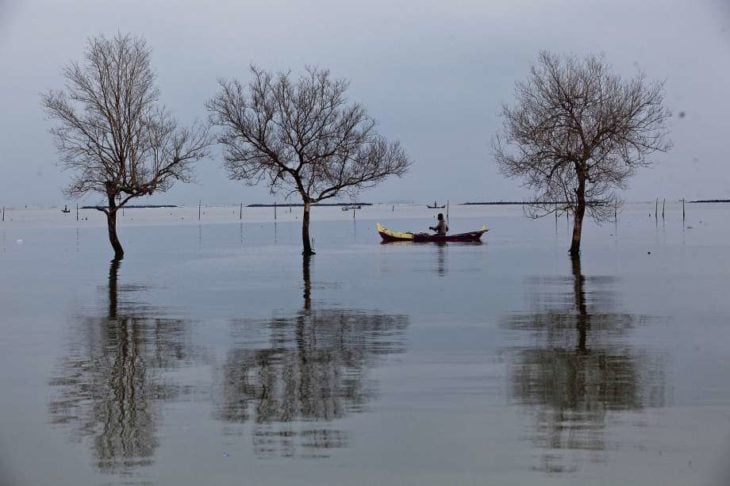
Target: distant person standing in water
<point x="441" y="227"/>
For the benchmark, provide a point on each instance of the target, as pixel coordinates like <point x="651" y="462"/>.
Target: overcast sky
<point x="432" y="73"/>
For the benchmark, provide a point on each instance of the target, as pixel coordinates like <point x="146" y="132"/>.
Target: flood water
<point x="214" y="354"/>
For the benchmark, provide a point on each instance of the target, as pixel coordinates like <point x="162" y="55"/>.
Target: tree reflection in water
<point x="109" y="387"/>
<point x="580" y="368"/>
<point x="309" y="370"/>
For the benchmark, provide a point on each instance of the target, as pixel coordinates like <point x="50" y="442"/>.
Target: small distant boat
<point x="352" y="207"/>
<point x="390" y="235"/>
<point x="436" y="206"/>
<point x="65" y="209"/>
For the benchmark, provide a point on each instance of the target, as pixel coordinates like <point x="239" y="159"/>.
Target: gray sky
<point x="432" y="73"/>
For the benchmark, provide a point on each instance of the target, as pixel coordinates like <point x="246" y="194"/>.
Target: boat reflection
<point x="291" y="386"/>
<point x="109" y="388"/>
<point x="441" y="259"/>
<point x="580" y="368"/>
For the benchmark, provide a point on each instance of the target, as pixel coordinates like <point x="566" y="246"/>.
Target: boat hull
<point x="391" y="236"/>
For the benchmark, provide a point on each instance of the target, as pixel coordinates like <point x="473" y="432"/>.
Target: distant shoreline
<point x="509" y="203"/>
<point x="299" y="205"/>
<point x="135" y="206"/>
<point x="469" y="203"/>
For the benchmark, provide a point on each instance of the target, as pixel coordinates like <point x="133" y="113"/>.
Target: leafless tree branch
<point x="577" y="133"/>
<point x="111" y="132"/>
<point x="302" y="134"/>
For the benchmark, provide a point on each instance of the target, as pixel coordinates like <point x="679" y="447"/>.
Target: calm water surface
<point x="214" y="354"/>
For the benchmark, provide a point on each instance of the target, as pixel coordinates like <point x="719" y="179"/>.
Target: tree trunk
<point x="305" y="230"/>
<point x="306" y="259"/>
<point x="580" y="211"/>
<point x="113" y="273"/>
<point x="111" y="221"/>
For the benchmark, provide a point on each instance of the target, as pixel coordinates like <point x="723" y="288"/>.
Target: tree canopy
<point x="303" y="136"/>
<point x="113" y="134"/>
<point x="577" y="132"/>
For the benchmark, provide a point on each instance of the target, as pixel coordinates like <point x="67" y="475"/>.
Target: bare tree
<point x="301" y="135"/>
<point x="112" y="132"/>
<point x="577" y="133"/>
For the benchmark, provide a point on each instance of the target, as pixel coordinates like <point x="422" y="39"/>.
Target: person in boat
<point x="441" y="227"/>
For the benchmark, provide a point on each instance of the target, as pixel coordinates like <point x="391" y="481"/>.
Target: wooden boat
<point x="390" y="235"/>
<point x="65" y="209"/>
<point x="351" y="207"/>
<point x="435" y="206"/>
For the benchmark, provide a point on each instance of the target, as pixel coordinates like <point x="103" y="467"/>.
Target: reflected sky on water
<point x="216" y="352"/>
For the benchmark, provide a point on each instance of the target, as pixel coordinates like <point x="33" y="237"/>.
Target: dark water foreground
<point x="215" y="354"/>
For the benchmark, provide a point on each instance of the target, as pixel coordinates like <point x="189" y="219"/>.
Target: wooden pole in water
<point x="240" y="212"/>
<point x="199" y="204"/>
<point x="656" y="211"/>
<point x="683" y="214"/>
<point x="274" y="210"/>
<point x="77" y="212"/>
<point x="664" y="201"/>
<point x="3" y="213"/>
<point x="447" y="210"/>
<point x="615" y="212"/>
